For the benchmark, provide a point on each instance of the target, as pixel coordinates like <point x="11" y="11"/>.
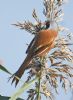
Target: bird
<point x="40" y="45"/>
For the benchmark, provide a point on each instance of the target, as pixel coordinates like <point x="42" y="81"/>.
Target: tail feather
<point x="16" y="76"/>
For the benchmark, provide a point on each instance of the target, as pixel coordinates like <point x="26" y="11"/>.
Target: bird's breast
<point x="46" y="36"/>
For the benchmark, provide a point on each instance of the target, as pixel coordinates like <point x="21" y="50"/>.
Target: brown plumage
<point x="42" y="43"/>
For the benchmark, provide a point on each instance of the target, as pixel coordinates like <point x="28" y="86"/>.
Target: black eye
<point x="47" y="24"/>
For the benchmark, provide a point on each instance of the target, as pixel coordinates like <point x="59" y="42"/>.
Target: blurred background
<point x="13" y="40"/>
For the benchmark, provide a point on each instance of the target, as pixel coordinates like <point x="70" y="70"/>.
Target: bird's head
<point x="51" y="25"/>
<point x="48" y="24"/>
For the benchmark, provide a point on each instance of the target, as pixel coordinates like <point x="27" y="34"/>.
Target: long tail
<point x="21" y="70"/>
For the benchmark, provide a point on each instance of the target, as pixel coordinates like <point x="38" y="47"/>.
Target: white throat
<point x="53" y="25"/>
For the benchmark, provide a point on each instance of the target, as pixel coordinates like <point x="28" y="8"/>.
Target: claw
<point x="15" y="78"/>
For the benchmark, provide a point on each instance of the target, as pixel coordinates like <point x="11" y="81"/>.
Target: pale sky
<point x="13" y="40"/>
